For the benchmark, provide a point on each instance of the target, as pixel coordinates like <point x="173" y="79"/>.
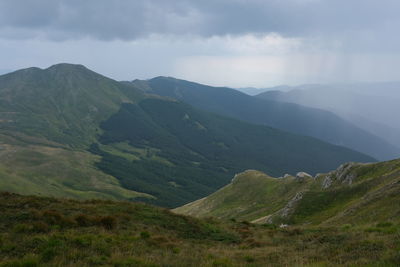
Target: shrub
<point x="27" y="261"/>
<point x="108" y="222"/>
<point x="83" y="220"/>
<point x="48" y="254"/>
<point x="40" y="227"/>
<point x="21" y="228"/>
<point x="222" y="263"/>
<point x="131" y="262"/>
<point x="249" y="258"/>
<point x="384" y="224"/>
<point x="145" y="235"/>
<point x="55" y="218"/>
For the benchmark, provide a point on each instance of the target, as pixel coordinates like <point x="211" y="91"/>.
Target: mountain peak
<point x="67" y="67"/>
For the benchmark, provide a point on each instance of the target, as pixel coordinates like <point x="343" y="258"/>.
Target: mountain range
<point x="68" y="131"/>
<point x="291" y="117"/>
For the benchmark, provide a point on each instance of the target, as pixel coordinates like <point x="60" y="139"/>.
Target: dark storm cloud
<point x="127" y="20"/>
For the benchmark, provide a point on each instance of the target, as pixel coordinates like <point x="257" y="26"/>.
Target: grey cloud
<point x="127" y="20"/>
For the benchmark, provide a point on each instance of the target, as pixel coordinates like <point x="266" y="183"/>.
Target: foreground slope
<point x="68" y="131"/>
<point x="37" y="231"/>
<point x="290" y="117"/>
<point x="354" y="193"/>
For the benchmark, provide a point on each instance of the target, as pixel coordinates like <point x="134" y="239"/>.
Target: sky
<point x="236" y="43"/>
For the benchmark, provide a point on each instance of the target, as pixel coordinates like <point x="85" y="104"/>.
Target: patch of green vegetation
<point x="50" y="171"/>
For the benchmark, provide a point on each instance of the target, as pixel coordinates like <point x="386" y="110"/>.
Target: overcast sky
<point x="236" y="43"/>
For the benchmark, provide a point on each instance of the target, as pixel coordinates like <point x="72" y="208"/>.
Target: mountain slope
<point x="286" y="116"/>
<point x="354" y="193"/>
<point x="64" y="103"/>
<point x="47" y="118"/>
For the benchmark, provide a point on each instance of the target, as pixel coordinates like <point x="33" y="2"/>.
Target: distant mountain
<point x="290" y="117"/>
<point x="353" y="194"/>
<point x="67" y="131"/>
<point x="4" y="71"/>
<point x="251" y="90"/>
<point x="64" y="103"/>
<point x="371" y="106"/>
<point x="256" y="91"/>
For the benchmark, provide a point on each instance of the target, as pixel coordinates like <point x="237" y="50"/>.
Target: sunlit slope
<point x="354" y="193"/>
<point x="54" y="171"/>
<point x="249" y="196"/>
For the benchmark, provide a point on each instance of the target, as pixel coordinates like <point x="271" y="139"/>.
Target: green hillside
<point x="290" y="117"/>
<point x="38" y="231"/>
<point x="54" y="171"/>
<point x="47" y="118"/>
<point x="64" y="103"/>
<point x="355" y="194"/>
<point x="70" y="132"/>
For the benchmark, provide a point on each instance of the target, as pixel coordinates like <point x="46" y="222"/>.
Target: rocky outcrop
<point x="303" y="175"/>
<point x="284" y="212"/>
<point x="344" y="174"/>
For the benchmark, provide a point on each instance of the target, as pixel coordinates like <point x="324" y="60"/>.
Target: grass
<point x="58" y="172"/>
<point x="250" y="196"/>
<point x="36" y="231"/>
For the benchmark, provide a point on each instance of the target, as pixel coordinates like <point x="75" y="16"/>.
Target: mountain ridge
<point x="354" y="193"/>
<point x="371" y="107"/>
<point x="289" y="117"/>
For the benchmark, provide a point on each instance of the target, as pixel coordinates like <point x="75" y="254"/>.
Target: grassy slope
<point x="37" y="231"/>
<point x="55" y="171"/>
<point x="372" y="196"/>
<point x="64" y="103"/>
<point x="249" y="196"/>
